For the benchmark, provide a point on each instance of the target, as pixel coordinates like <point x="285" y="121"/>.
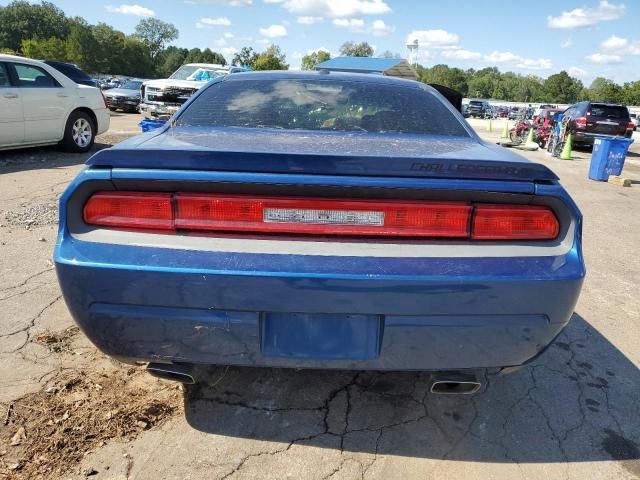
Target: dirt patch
<point x="46" y="434"/>
<point x="57" y="342"/>
<point x="32" y="216"/>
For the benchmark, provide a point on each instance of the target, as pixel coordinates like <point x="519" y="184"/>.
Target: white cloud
<point x="274" y="31"/>
<point x="136" y="10"/>
<point x="614" y="43"/>
<point x="502" y="57"/>
<point x="567" y="43"/>
<point x="533" y="64"/>
<point x="433" y="38"/>
<point x="576" y="72"/>
<point x="308" y="20"/>
<point x="264" y="41"/>
<point x="377" y="28"/>
<point x="380" y="29"/>
<point x="334" y="8"/>
<point x="297" y="55"/>
<point x="228" y="35"/>
<point x="587" y="17"/>
<point x="604" y="58"/>
<point x="213" y="22"/>
<point x="352" y="24"/>
<point x="461" y="54"/>
<point x="224" y="3"/>
<point x="229" y="52"/>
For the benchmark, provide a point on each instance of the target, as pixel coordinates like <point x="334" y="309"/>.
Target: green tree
<point x="209" y="56"/>
<point x="49" y="49"/>
<point x="155" y="34"/>
<point x="82" y="47"/>
<point x="631" y="93"/>
<point x="109" y="48"/>
<point x="561" y="88"/>
<point x="351" y="49"/>
<point x="483" y="82"/>
<point x="246" y="57"/>
<point x="170" y="60"/>
<point x="605" y="90"/>
<point x="444" y="75"/>
<point x="135" y="61"/>
<point x="390" y="54"/>
<point x="271" y="59"/>
<point x="21" y="20"/>
<point x="310" y="61"/>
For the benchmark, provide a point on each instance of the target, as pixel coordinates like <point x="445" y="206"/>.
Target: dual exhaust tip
<point x="453" y="383"/>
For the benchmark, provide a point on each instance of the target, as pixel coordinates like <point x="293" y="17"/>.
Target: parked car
<point x="514" y="113"/>
<point x="502" y="112"/>
<point x="162" y="98"/>
<point x="126" y="98"/>
<point x="635" y="120"/>
<point x="465" y="111"/>
<point x="478" y="108"/>
<point x="41" y="106"/>
<point x="268" y="225"/>
<point x="73" y="72"/>
<point x="593" y="118"/>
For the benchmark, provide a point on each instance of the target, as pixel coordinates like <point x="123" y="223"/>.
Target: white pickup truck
<point x="162" y="98"/>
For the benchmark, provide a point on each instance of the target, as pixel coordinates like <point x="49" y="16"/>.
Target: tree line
<point x="42" y="30"/>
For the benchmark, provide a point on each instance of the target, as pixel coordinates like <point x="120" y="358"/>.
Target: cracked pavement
<point x="573" y="413"/>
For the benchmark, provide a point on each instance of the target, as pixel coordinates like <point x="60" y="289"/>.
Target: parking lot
<point x="574" y="413"/>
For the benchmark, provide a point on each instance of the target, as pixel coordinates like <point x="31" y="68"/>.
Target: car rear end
<point x="262" y="247"/>
<point x="603" y="119"/>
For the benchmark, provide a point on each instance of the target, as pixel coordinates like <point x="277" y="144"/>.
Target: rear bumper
<point x="163" y="306"/>
<point x="104" y="120"/>
<point x="588" y="138"/>
<point x="209" y="301"/>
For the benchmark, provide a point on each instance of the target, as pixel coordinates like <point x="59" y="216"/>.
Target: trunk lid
<point x="320" y="153"/>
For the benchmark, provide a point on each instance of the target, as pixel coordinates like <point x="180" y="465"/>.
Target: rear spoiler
<point x="321" y="164"/>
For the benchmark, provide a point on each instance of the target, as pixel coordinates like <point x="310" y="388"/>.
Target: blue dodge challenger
<point x="319" y="220"/>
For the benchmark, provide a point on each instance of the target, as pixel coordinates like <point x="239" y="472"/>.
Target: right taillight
<point x="581" y="122"/>
<point x="514" y="222"/>
<point x="631" y="126"/>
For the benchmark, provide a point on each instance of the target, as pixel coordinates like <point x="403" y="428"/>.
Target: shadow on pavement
<point x="37" y="158"/>
<point x="578" y="403"/>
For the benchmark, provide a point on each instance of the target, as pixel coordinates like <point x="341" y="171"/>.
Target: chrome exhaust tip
<point x="455" y="384"/>
<point x="173" y="372"/>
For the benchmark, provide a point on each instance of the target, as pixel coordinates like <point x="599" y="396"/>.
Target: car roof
<point x="15" y="58"/>
<point x="323" y="75"/>
<point x="204" y="65"/>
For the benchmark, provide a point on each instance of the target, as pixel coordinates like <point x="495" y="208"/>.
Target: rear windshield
<point x="70" y="71"/>
<point x="476" y="102"/>
<point x="321" y="105"/>
<point x="609" y="111"/>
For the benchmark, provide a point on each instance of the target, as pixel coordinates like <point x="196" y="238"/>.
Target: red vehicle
<point x="544" y="123"/>
<point x="518" y="134"/>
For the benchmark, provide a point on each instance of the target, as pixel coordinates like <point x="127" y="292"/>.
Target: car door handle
<point x="10" y="95"/>
<point x="63" y="95"/>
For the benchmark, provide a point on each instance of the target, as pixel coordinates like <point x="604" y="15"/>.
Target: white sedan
<point x="41" y="106"/>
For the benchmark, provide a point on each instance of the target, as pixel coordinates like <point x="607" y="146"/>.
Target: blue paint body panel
<point x="311" y="310"/>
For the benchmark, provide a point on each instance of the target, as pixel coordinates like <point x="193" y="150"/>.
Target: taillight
<point x="104" y="99"/>
<point x="130" y="210"/>
<point x="581" y="122"/>
<point x="631" y="126"/>
<point x="322" y="216"/>
<point x="514" y="222"/>
<point x="194" y="212"/>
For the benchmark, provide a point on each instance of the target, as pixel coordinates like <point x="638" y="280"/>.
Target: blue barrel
<point x="147" y="124"/>
<point x="608" y="157"/>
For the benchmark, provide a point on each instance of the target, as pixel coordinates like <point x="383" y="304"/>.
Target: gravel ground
<point x="572" y="414"/>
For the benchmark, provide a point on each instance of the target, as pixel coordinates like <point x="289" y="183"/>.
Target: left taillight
<point x="201" y="212"/>
<point x="130" y="210"/>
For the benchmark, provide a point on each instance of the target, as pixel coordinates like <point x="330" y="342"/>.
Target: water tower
<point x="413" y="52"/>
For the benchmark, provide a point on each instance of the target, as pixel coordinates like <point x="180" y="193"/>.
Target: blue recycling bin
<point x="608" y="157"/>
<point x="147" y="124"/>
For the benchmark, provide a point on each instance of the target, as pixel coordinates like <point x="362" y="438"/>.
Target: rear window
<point x="475" y="102"/>
<point x="609" y="111"/>
<point x="321" y="105"/>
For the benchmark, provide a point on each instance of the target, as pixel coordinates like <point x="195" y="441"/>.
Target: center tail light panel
<point x="208" y="213"/>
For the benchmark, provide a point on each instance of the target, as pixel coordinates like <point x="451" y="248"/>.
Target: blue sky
<point x="588" y="38"/>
